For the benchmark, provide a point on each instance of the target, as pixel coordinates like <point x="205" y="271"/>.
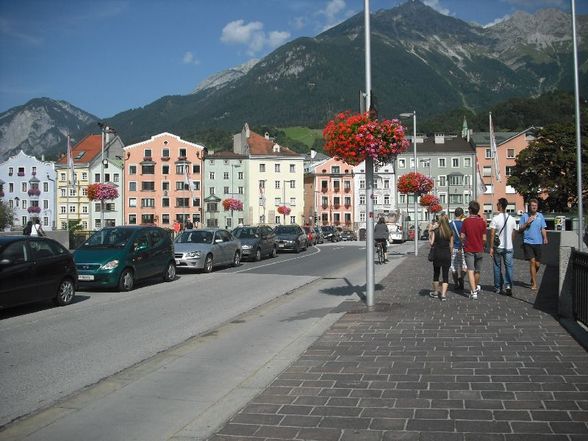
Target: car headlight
<point x="246" y="247"/>
<point x="109" y="265"/>
<point x="290" y="241"/>
<point x="193" y="254"/>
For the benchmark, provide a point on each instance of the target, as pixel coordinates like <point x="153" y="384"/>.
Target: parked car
<point x="291" y="237"/>
<point x="320" y="238"/>
<point x="117" y="257"/>
<point x="207" y="248"/>
<point x="256" y="242"/>
<point x="310" y="235"/>
<point x="331" y="233"/>
<point x="33" y="269"/>
<point x="348" y="235"/>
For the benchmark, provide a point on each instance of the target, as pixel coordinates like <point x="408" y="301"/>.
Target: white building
<point x="385" y="197"/>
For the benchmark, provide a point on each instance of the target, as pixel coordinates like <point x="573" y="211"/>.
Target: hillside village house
<point x="275" y="178"/>
<point x="163" y="181"/>
<point x="225" y="178"/>
<point x="508" y="146"/>
<point x="27" y="184"/>
<point x="72" y="198"/>
<point x="451" y="162"/>
<point x="384" y="193"/>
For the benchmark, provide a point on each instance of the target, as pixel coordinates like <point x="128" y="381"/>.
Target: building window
<point x="277" y="185"/>
<point x="335" y="170"/>
<point x="180" y="185"/>
<point x="487" y="171"/>
<point x="509" y="170"/>
<point x="262" y="184"/>
<point x="292" y="168"/>
<point x="165" y="169"/>
<point x="211" y="175"/>
<point x="165" y="202"/>
<point x="226" y="190"/>
<point x="292" y="183"/>
<point x="148" y="186"/>
<point x="148" y="203"/>
<point x="277" y="201"/>
<point x="132" y="186"/>
<point x="96" y="177"/>
<point x="386" y="199"/>
<point x="455" y="180"/>
<point x="442" y="181"/>
<point x="165" y="185"/>
<point x="402" y="163"/>
<point x="386" y="183"/>
<point x="240" y="175"/>
<point x="467" y="162"/>
<point x="132" y="169"/>
<point x="24" y="187"/>
<point x="277" y="168"/>
<point x="510" y="153"/>
<point x="182" y="202"/>
<point x="262" y="168"/>
<point x="292" y="202"/>
<point x="226" y="175"/>
<point x="442" y="162"/>
<point x="362" y="185"/>
<point x="182" y="153"/>
<point x="148" y="169"/>
<point x="488" y="154"/>
<point x="195" y="168"/>
<point x="165" y="219"/>
<point x="132" y="219"/>
<point x="362" y="199"/>
<point x="455" y="162"/>
<point x="132" y="202"/>
<point x="292" y="219"/>
<point x="11" y="171"/>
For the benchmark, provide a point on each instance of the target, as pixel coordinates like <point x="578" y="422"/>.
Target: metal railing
<point x="580" y="278"/>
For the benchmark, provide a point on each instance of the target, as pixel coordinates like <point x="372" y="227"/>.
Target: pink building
<point x="328" y="193"/>
<point x="163" y="179"/>
<point x="508" y="146"/>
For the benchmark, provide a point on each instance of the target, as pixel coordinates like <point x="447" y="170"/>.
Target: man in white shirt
<point x="502" y="231"/>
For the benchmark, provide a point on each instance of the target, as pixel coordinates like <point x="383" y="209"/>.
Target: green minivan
<point x="116" y="257"/>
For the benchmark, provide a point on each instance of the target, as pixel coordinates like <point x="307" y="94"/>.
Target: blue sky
<point x="109" y="56"/>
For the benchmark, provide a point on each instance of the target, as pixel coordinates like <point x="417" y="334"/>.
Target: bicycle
<point x="380" y="252"/>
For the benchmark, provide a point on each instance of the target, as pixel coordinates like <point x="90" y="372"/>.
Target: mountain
<point x="221" y="79"/>
<point x="421" y="60"/>
<point x="40" y="127"/>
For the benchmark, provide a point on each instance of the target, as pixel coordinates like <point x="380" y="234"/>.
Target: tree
<point x="547" y="168"/>
<point x="6" y="215"/>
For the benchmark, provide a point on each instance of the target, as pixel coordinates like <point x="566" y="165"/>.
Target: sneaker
<point x="497" y="291"/>
<point x="433" y="294"/>
<point x="508" y="291"/>
<point x="443" y="298"/>
<point x="474" y="295"/>
<point x="478" y="288"/>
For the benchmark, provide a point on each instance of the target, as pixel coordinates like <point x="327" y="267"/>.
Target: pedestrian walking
<point x="502" y="231"/>
<point x="458" y="267"/>
<point x="441" y="240"/>
<point x="37" y="229"/>
<point x="177" y="227"/>
<point x="28" y="228"/>
<point x="473" y="236"/>
<point x="189" y="225"/>
<point x="533" y="226"/>
<point x="381" y="235"/>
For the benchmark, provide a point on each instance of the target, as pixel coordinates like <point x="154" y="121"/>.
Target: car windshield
<point x="195" y="237"/>
<point x="109" y="238"/>
<point x="246" y="233"/>
<point x="287" y="230"/>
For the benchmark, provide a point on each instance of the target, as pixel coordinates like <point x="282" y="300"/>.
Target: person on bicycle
<point x="381" y="234"/>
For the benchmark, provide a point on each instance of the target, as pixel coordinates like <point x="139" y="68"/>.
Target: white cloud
<point x="189" y="58"/>
<point x="437" y="7"/>
<point x="252" y="36"/>
<point x="496" y="21"/>
<point x="334" y="13"/>
<point x="9" y="29"/>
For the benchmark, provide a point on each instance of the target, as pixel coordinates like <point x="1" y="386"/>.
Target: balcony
<point x="34" y="209"/>
<point x="147" y="158"/>
<point x="347" y="189"/>
<point x="336" y="206"/>
<point x="325" y="206"/>
<point x="34" y="192"/>
<point x="337" y="189"/>
<point x="165" y="158"/>
<point x="347" y="206"/>
<point x="181" y="158"/>
<point x="20" y="173"/>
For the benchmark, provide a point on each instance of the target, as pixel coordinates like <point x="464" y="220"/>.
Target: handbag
<point x="497" y="238"/>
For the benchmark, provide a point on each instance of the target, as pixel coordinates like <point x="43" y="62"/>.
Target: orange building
<point x="163" y="178"/>
<point x="508" y="146"/>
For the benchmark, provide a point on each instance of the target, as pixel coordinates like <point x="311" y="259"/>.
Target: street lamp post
<point x="233" y="167"/>
<point x="414" y="143"/>
<point x="103" y="161"/>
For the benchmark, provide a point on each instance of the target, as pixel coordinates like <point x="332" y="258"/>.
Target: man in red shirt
<point x="473" y="236"/>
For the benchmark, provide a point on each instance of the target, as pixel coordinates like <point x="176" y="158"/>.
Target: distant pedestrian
<point x="502" y="230"/>
<point x="441" y="239"/>
<point x="473" y="236"/>
<point x="533" y="227"/>
<point x="37" y="229"/>
<point x="381" y="235"/>
<point x="28" y="228"/>
<point x="458" y="267"/>
<point x="189" y="225"/>
<point x="177" y="227"/>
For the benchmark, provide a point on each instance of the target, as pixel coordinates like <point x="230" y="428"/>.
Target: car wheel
<point x="127" y="280"/>
<point x="65" y="292"/>
<point x="257" y="256"/>
<point x="236" y="259"/>
<point x="208" y="263"/>
<point x="297" y="248"/>
<point x="274" y="252"/>
<point x="170" y="272"/>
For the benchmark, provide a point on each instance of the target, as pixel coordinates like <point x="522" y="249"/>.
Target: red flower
<point x="435" y="208"/>
<point x="428" y="200"/>
<point x="232" y="204"/>
<point x="102" y="192"/>
<point x="415" y="183"/>
<point x="284" y="209"/>
<point x="354" y="137"/>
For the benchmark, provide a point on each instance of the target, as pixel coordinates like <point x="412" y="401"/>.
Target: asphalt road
<point x="114" y="340"/>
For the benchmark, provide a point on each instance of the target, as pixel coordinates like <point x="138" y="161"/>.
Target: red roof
<point x="260" y="145"/>
<point x="91" y="146"/>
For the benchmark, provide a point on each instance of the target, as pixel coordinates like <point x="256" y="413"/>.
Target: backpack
<point x="27" y="230"/>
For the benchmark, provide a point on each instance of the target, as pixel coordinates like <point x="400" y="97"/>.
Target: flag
<point x="494" y="151"/>
<point x="70" y="162"/>
<point x="479" y="182"/>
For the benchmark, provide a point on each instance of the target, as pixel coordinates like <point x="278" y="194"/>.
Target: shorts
<point x="457" y="261"/>
<point x="532" y="251"/>
<point x="474" y="261"/>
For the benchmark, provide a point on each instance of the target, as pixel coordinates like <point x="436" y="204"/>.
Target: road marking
<point x="318" y="250"/>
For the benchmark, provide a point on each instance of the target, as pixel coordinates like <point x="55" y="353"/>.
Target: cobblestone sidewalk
<point x="496" y="369"/>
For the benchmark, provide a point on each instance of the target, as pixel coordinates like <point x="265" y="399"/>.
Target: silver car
<point x="206" y="248"/>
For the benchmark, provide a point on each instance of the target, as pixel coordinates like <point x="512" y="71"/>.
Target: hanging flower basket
<point x="233" y="204"/>
<point x="429" y="199"/>
<point x="414" y="182"/>
<point x="102" y="192"/>
<point x="284" y="209"/>
<point x="435" y="208"/>
<point x="353" y="137"/>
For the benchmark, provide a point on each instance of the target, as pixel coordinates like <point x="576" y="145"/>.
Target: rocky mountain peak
<point x="225" y="77"/>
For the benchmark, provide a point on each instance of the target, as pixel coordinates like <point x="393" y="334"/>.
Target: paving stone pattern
<point x="417" y="369"/>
